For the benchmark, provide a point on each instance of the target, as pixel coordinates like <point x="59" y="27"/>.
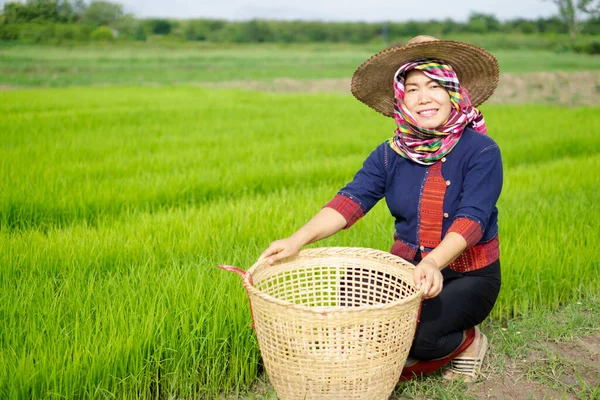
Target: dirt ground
<point x="559" y="88"/>
<point x="563" y="88"/>
<point x="551" y="371"/>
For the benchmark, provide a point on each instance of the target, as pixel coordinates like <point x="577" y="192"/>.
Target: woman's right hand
<point x="327" y="222"/>
<point x="279" y="250"/>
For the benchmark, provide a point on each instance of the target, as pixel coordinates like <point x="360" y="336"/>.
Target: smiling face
<point x="426" y="99"/>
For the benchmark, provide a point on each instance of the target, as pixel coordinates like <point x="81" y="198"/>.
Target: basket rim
<point x="325" y="310"/>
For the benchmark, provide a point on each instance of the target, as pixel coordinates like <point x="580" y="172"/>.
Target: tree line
<point x="56" y="21"/>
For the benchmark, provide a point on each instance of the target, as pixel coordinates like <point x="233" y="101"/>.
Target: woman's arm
<point x="451" y="247"/>
<point x="427" y="272"/>
<point x="350" y="204"/>
<point x="325" y="223"/>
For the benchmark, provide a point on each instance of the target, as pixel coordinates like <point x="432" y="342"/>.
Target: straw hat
<point x="476" y="68"/>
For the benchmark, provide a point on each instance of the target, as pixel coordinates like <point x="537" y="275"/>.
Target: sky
<point x="339" y="10"/>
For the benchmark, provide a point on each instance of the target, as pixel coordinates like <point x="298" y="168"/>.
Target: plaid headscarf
<point x="427" y="146"/>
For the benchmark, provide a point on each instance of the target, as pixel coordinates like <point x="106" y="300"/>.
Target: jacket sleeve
<point x="480" y="192"/>
<point x="359" y="196"/>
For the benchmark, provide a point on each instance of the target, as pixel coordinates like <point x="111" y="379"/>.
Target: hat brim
<point x="476" y="68"/>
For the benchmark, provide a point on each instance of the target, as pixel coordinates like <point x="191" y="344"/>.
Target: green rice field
<point x="118" y="203"/>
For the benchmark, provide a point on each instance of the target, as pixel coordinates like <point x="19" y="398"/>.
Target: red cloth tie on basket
<point x="246" y="276"/>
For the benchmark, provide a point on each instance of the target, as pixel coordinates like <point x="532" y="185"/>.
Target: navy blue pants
<point x="465" y="301"/>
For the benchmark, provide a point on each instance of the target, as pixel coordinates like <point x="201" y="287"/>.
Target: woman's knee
<point x="429" y="345"/>
<point x="425" y="344"/>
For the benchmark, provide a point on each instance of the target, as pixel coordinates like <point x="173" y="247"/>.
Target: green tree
<point x="590" y="7"/>
<point x="15" y="13"/>
<point x="60" y="11"/>
<point x="406" y="29"/>
<point x="140" y="33"/>
<point x="127" y="26"/>
<point x="449" y="26"/>
<point x="483" y="23"/>
<point x="202" y="29"/>
<point x="79" y="7"/>
<point x="66" y="12"/>
<point x="43" y="10"/>
<point x="550" y="25"/>
<point x="257" y="31"/>
<point x="521" y="25"/>
<point x="102" y="13"/>
<point x="569" y="12"/>
<point x="103" y="34"/>
<point x="591" y="26"/>
<point x="288" y="32"/>
<point x="160" y="26"/>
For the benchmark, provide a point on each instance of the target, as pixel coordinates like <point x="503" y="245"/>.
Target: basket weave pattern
<point x="334" y="323"/>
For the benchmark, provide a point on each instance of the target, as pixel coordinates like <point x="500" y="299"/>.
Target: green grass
<point x="49" y="66"/>
<point x="117" y="205"/>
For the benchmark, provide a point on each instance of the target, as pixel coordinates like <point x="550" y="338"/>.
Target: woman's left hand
<point x="428" y="276"/>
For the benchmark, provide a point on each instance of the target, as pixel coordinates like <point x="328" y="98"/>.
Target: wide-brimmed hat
<point x="477" y="70"/>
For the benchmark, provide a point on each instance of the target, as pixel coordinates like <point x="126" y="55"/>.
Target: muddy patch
<point x="580" y="361"/>
<point x="565" y="88"/>
<point x="571" y="89"/>
<point x="561" y="88"/>
<point x="513" y="383"/>
<point x="551" y="370"/>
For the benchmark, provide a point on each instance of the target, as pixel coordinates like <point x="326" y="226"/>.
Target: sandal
<point x="468" y="363"/>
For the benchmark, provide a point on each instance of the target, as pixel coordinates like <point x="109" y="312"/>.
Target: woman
<point x="441" y="177"/>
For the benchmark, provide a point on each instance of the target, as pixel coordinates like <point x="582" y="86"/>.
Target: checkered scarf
<point x="427" y="146"/>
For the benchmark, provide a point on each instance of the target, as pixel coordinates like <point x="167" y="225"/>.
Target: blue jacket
<point x="473" y="173"/>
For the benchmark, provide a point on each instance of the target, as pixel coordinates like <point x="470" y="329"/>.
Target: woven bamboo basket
<point x="333" y="323"/>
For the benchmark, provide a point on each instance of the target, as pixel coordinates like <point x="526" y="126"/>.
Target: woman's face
<point x="426" y="99"/>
